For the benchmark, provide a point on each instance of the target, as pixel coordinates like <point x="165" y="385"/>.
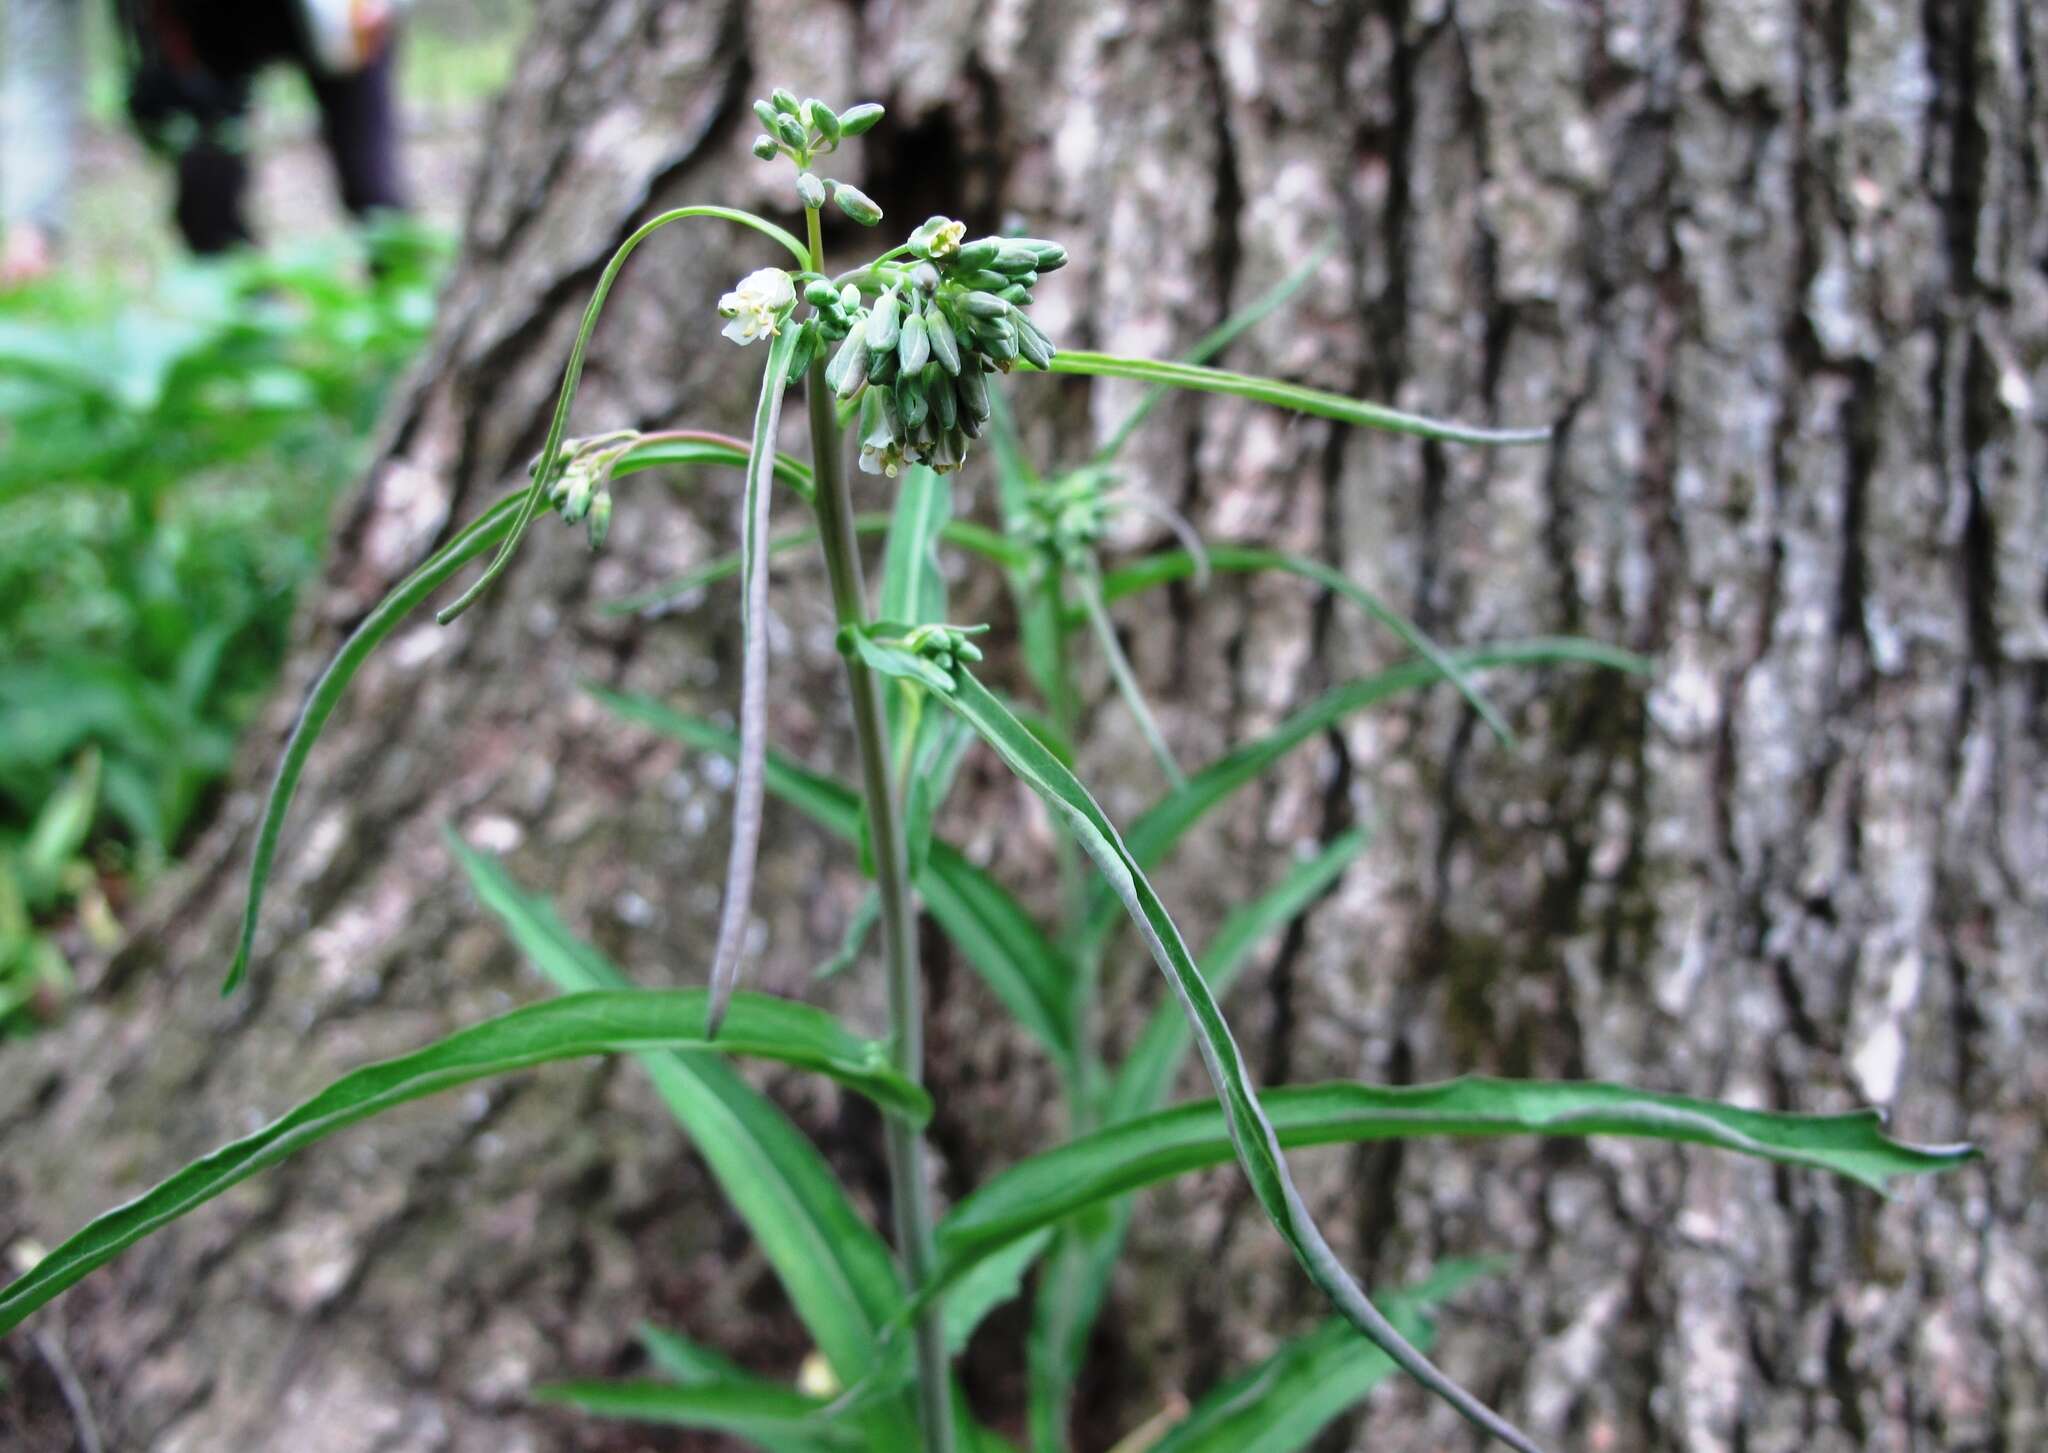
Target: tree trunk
<point x="1776" y="272"/>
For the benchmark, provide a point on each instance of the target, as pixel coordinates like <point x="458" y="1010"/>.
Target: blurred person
<point x="192" y="67"/>
<point x="40" y="66"/>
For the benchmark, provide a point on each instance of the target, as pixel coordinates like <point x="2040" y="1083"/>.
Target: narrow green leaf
<point x="988" y="1285"/>
<point x="1090" y="591"/>
<point x="679" y="1359"/>
<point x="1217" y="339"/>
<point x="836" y="1271"/>
<point x="684" y="1362"/>
<point x="567" y="1028"/>
<point x="1280" y="1405"/>
<point x="913" y="590"/>
<point x="778" y="1419"/>
<point x="1075" y="1279"/>
<point x="1286" y="396"/>
<point x="1171" y="565"/>
<point x="1155" y="832"/>
<point x="405" y="597"/>
<point x="1123" y="1158"/>
<point x="995" y="934"/>
<point x="1258" y="1151"/>
<point x="745" y="850"/>
<point x="1147" y="1073"/>
<point x="550" y="454"/>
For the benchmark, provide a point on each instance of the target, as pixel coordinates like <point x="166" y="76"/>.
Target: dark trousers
<point x="193" y="93"/>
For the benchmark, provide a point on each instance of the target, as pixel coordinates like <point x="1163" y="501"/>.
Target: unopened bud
<point x="791" y="131"/>
<point x="809" y="190"/>
<point x="783" y="100"/>
<point x="855" y="203"/>
<point x="856" y="119"/>
<point x="939" y="335"/>
<point x="824" y="120"/>
<point x="882" y="324"/>
<point x="984" y="305"/>
<point x="913" y="347"/>
<point x="979" y="253"/>
<point x="765" y="147"/>
<point x="599" y="522"/>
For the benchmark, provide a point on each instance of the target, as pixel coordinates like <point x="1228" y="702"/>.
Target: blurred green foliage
<point x="167" y="468"/>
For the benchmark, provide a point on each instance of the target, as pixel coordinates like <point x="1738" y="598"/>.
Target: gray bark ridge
<point x="1777" y="272"/>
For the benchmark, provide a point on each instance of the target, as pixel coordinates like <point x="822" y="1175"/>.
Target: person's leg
<point x="359" y="123"/>
<point x="213" y="178"/>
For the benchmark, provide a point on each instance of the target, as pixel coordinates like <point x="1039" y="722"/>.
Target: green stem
<point x="910" y="1200"/>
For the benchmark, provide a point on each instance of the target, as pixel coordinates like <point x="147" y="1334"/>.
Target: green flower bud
<point x="911" y="403"/>
<point x="926" y="277"/>
<point x="854" y="202"/>
<point x="972" y="387"/>
<point x="848" y="369"/>
<point x="874" y="425"/>
<point x="766" y="147"/>
<point x="882" y="366"/>
<point x="1016" y="256"/>
<point x="783" y="100"/>
<point x="1034" y="345"/>
<point x="882" y="325"/>
<point x="913" y="348"/>
<point x="979" y="253"/>
<point x="1016" y="294"/>
<point x="821" y="294"/>
<point x="824" y="120"/>
<point x="599" y="522"/>
<point x="767" y="114"/>
<point x="945" y="402"/>
<point x="849" y="298"/>
<point x="803" y="350"/>
<point x="856" y="119"/>
<point x="791" y="131"/>
<point x="809" y="190"/>
<point x="984" y="305"/>
<point x="1051" y="256"/>
<point x="982" y="280"/>
<point x="945" y="347"/>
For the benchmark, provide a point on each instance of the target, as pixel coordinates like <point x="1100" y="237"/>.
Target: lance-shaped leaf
<point x="551" y="457"/>
<point x="745" y="850"/>
<point x="1217" y="339"/>
<point x="1171" y="565"/>
<point x="568" y="1028"/>
<point x="1076" y="1275"/>
<point x="472" y="541"/>
<point x="1123" y="1158"/>
<point x="778" y="1419"/>
<point x="1280" y="1405"/>
<point x="992" y="930"/>
<point x="1257" y="1148"/>
<point x="1286" y="396"/>
<point x="1156" y="830"/>
<point x="838" y="1274"/>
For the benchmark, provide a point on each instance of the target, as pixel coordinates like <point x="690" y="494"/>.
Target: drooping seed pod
<point x="883" y="324"/>
<point x="856" y="119"/>
<point x="939" y="335"/>
<point x="855" y="203"/>
<point x="823" y="119"/>
<point x="810" y="190"/>
<point x="913" y="346"/>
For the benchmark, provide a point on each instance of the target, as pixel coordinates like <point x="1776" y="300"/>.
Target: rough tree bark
<point x="1775" y="269"/>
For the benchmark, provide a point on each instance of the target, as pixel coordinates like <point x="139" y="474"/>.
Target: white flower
<point x="756" y="305"/>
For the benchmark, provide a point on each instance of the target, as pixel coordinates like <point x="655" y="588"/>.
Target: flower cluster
<point x="918" y="359"/>
<point x="804" y="130"/>
<point x="581" y="492"/>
